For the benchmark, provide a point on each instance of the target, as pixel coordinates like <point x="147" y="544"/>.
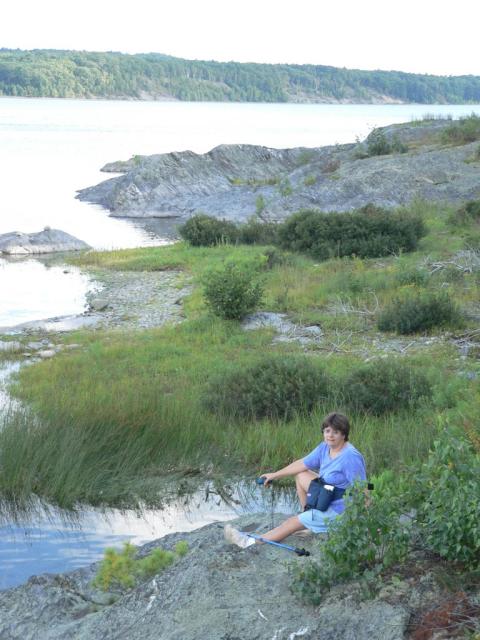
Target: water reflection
<point x="41" y="538"/>
<point x="31" y="289"/>
<point x="7" y="403"/>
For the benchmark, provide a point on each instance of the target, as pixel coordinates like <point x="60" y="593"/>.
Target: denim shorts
<point x="318" y="521"/>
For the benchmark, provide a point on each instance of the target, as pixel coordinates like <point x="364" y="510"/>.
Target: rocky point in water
<point x="237" y="181"/>
<point x="46" y="241"/>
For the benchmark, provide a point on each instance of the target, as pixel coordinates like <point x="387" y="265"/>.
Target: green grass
<point x="124" y="412"/>
<point x="462" y="131"/>
<point x="172" y="257"/>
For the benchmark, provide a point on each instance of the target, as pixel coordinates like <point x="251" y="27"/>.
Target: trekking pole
<point x="287" y="547"/>
<point x="261" y="481"/>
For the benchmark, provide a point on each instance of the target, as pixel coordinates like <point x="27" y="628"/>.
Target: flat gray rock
<point x="235" y="181"/>
<point x="287" y="331"/>
<point x="46" y="241"/>
<point x="98" y="304"/>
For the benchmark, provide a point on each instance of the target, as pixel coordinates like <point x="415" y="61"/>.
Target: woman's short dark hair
<point x="337" y="421"/>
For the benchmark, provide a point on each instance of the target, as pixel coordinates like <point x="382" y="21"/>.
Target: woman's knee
<point x="304" y="478"/>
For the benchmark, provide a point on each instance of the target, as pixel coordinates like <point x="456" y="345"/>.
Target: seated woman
<point x="335" y="460"/>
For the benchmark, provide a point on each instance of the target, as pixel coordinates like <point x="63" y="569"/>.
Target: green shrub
<point x="275" y="387"/>
<point x="377" y="144"/>
<point x="397" y="146"/>
<point x="124" y="570"/>
<point x="449" y="512"/>
<point x="417" y="312"/>
<point x="368" y="232"/>
<point x="368" y="539"/>
<point x="257" y="232"/>
<point x="463" y="131"/>
<point x="275" y="257"/>
<point x="310" y="180"/>
<point x="472" y="209"/>
<point x="385" y="385"/>
<point x="416" y="276"/>
<point x="467" y="214"/>
<point x="117" y="568"/>
<point x="285" y="188"/>
<point x="205" y="231"/>
<point x="260" y="204"/>
<point x="155" y="562"/>
<point x="232" y="291"/>
<point x="331" y="165"/>
<point x="181" y="548"/>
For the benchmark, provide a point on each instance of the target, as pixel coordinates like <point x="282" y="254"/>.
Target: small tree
<point x="233" y="291"/>
<point x="377" y="144"/>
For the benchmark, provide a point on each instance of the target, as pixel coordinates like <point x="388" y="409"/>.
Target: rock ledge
<point x="46" y="241"/>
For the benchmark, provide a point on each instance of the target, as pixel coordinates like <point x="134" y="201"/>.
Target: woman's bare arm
<point x="290" y="470"/>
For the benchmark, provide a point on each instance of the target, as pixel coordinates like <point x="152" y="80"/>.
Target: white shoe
<point x="234" y="536"/>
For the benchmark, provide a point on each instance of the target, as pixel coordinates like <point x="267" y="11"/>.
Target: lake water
<point x="49" y="540"/>
<point x="51" y="148"/>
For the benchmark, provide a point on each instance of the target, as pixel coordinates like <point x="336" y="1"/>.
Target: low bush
<point x="285" y="188"/>
<point x="467" y="214"/>
<point x="232" y="291"/>
<point x="385" y="385"/>
<point x="331" y="165"/>
<point x="257" y="232"/>
<point x="416" y="276"/>
<point x="123" y="569"/>
<point x="417" y="312"/>
<point x="275" y="387"/>
<point x="260" y="205"/>
<point x="368" y="539"/>
<point x="377" y="144"/>
<point x="205" y="231"/>
<point x="397" y="145"/>
<point x="448" y="514"/>
<point x="368" y="232"/>
<point x="463" y="131"/>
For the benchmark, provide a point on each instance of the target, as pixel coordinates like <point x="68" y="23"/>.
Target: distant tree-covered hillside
<point x="80" y="74"/>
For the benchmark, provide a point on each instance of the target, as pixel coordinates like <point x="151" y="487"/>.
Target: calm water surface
<point x="52" y="541"/>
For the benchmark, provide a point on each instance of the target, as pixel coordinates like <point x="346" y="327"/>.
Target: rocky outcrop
<point x="46" y="241"/>
<point x="215" y="592"/>
<point x="235" y="181"/>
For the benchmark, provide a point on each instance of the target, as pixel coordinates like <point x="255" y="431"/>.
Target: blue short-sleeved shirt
<point x="341" y="471"/>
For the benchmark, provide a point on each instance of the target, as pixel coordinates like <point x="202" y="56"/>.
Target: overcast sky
<point x="421" y="36"/>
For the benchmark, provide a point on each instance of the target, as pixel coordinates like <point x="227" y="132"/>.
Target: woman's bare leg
<point x="302" y="481"/>
<point x="288" y="527"/>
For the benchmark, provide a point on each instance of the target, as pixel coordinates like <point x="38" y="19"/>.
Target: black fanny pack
<point x="320" y="495"/>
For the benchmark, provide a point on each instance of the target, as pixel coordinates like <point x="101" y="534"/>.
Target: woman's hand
<point x="268" y="477"/>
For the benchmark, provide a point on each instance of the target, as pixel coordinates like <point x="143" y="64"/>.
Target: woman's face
<point x="335" y="439"/>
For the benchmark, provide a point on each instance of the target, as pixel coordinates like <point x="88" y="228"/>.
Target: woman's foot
<point x="234" y="536"/>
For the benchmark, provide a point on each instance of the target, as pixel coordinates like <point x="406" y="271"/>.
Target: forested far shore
<point x="82" y="74"/>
